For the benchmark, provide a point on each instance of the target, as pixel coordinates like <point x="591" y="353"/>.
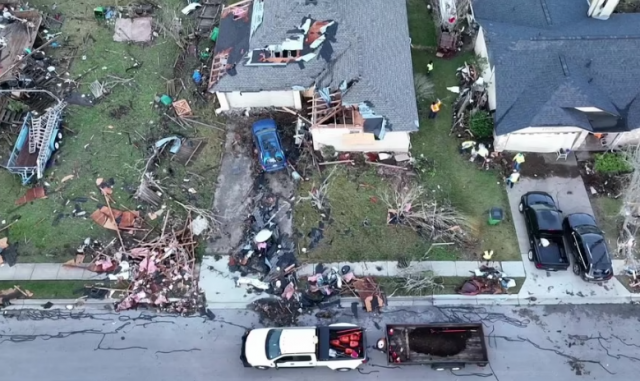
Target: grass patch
<point x="55" y="289"/>
<point x="393" y="286"/>
<point x="356" y="228"/>
<point x="110" y="140"/>
<point x="469" y="189"/>
<point x="607" y="213"/>
<point x="625" y="280"/>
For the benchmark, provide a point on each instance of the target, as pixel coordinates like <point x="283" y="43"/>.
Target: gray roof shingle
<point x="377" y="58"/>
<point x="550" y="57"/>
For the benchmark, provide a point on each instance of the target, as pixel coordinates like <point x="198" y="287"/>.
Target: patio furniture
<point x="563" y="154"/>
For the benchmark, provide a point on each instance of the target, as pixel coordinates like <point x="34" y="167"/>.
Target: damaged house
<point x="331" y="62"/>
<point x="562" y="74"/>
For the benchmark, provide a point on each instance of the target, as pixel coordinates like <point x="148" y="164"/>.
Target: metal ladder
<point x="50" y="120"/>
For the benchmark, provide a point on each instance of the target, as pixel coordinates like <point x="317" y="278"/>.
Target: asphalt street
<point x="525" y="344"/>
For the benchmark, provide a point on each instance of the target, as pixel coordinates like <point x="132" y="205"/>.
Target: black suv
<point x="591" y="259"/>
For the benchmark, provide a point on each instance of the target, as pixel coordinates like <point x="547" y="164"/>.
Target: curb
<point x="478" y="300"/>
<point x="36" y="304"/>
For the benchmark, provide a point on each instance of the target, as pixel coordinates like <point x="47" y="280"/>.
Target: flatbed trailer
<point x="439" y="345"/>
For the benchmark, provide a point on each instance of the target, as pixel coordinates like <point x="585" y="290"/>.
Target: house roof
<point x="551" y="58"/>
<point x="375" y="60"/>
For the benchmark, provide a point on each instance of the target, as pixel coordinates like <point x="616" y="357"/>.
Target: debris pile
<point x="438" y="222"/>
<point x="12" y="293"/>
<point x="162" y="273"/>
<point x="486" y="280"/>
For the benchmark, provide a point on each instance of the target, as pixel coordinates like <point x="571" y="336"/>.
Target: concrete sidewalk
<point x="46" y="271"/>
<point x="441" y="268"/>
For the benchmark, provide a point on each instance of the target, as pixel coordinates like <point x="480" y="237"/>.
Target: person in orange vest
<point x="435" y="108"/>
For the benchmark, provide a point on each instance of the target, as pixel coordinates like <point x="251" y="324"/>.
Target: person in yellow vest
<point x="513" y="178"/>
<point x="518" y="160"/>
<point x="435" y="108"/>
<point x="429" y="67"/>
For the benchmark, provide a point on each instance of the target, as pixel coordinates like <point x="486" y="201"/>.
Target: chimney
<point x="602" y="9"/>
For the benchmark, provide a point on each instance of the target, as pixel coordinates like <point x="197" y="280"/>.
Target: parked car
<point x="544" y="227"/>
<point x="267" y="141"/>
<point x="587" y="244"/>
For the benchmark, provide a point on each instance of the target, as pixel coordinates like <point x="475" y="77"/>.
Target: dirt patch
<point x="609" y="185"/>
<point x="423" y="340"/>
<point x="536" y="166"/>
<point x="119" y="112"/>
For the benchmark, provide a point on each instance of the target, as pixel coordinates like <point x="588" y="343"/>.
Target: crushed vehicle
<point x="267" y="141"/>
<point x="39" y="138"/>
<point x="442" y="346"/>
<point x="544" y="228"/>
<point x="588" y="246"/>
<point x="340" y="347"/>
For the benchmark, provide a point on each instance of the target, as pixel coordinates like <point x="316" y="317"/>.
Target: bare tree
<point x="425" y="90"/>
<point x="630" y="210"/>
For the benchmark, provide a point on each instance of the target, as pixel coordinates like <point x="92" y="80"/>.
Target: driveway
<point x="237" y="194"/>
<point x="233" y="194"/>
<point x="562" y="286"/>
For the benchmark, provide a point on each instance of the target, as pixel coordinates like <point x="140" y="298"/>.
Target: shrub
<point x="611" y="163"/>
<point x="481" y="124"/>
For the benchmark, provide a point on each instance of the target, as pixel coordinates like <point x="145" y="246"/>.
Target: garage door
<point x="237" y="99"/>
<point x="543" y="142"/>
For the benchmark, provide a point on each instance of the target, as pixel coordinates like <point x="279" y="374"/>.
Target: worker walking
<point x="466" y="146"/>
<point x="429" y="67"/>
<point x="517" y="161"/>
<point x="435" y="108"/>
<point x="513" y="178"/>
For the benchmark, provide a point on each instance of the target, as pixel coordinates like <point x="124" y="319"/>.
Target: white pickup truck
<point x="341" y="347"/>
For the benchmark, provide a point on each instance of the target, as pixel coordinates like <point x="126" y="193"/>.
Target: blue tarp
<point x="175" y="147"/>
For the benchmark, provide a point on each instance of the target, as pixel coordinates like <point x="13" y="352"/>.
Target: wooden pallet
<point x="11" y="117"/>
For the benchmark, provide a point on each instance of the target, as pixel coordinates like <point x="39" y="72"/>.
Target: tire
<point x="520" y="207"/>
<point x="344" y="370"/>
<point x="59" y="136"/>
<point x="56" y="146"/>
<point x="576" y="269"/>
<point x="530" y="255"/>
<point x="261" y="367"/>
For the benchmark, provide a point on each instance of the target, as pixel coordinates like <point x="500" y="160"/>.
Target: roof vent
<point x="310" y="2"/>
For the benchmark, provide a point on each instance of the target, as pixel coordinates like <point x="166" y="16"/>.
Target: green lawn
<point x="56" y="289"/>
<point x="111" y="140"/>
<point x="356" y="227"/>
<point x="607" y="213"/>
<point x="471" y="190"/>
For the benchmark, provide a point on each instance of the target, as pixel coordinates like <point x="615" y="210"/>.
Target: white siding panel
<point x="541" y="142"/>
<point x="237" y="99"/>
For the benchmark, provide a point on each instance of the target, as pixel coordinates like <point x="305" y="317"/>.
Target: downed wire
<point x="479" y="315"/>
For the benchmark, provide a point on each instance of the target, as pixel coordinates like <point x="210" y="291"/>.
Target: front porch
<point x="598" y="142"/>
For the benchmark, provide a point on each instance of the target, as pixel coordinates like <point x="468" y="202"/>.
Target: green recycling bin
<point x="214" y="34"/>
<point x="496" y="215"/>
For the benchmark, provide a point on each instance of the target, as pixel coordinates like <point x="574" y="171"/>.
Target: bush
<point x="481" y="124"/>
<point x="611" y="163"/>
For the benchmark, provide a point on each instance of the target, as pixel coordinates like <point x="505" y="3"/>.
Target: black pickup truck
<point x="544" y="227"/>
<point x="438" y="345"/>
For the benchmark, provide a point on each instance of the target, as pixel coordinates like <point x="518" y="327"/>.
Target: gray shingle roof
<point x="550" y="57"/>
<point x="378" y="57"/>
